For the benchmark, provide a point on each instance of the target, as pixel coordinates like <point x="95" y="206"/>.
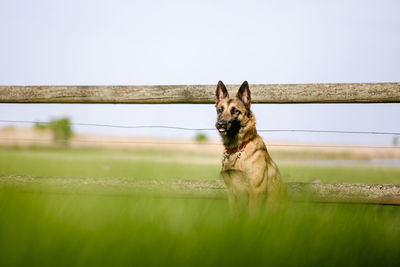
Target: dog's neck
<point x="244" y="134"/>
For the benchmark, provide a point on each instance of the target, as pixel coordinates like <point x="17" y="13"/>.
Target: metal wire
<point x="207" y="129"/>
<point x="195" y="143"/>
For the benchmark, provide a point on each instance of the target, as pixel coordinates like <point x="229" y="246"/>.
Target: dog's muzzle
<point x="222" y="126"/>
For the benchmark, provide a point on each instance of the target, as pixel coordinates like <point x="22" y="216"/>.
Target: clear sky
<point x="200" y="42"/>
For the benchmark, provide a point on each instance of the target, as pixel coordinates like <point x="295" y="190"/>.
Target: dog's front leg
<point x="257" y="199"/>
<point x="232" y="201"/>
<point x="238" y="195"/>
<point x="257" y="187"/>
<point x="231" y="196"/>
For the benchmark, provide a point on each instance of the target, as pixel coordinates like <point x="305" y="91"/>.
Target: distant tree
<point x="200" y="137"/>
<point x="395" y="141"/>
<point x="60" y="128"/>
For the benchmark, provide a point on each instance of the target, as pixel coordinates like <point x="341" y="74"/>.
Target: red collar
<point x="240" y="148"/>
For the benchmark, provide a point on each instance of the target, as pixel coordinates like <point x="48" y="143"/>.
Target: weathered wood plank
<point x="318" y="192"/>
<point x="204" y="94"/>
<point x="388" y="194"/>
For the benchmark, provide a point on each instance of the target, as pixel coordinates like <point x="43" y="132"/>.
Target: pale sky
<point x="200" y="42"/>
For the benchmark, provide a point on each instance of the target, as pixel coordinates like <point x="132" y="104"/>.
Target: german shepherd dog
<point x="252" y="178"/>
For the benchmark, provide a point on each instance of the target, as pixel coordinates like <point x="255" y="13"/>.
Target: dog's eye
<point x="220" y="110"/>
<point x="234" y="110"/>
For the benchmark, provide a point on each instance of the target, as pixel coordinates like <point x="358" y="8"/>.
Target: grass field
<point x="167" y="164"/>
<point x="46" y="228"/>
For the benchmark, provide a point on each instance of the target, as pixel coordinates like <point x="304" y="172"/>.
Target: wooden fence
<point x="204" y="94"/>
<point x="319" y="192"/>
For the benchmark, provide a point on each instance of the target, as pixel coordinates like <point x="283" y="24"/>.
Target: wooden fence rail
<point x="317" y="192"/>
<point x="204" y="94"/>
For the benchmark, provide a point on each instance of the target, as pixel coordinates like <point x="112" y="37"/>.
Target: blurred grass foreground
<point x="42" y="226"/>
<point x="38" y="229"/>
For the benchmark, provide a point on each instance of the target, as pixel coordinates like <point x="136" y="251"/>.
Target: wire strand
<point x="207" y="129"/>
<point x="196" y="143"/>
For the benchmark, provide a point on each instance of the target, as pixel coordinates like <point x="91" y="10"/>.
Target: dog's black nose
<point x="221" y="124"/>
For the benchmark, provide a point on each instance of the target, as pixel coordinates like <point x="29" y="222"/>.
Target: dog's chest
<point x="233" y="161"/>
<point x="233" y="171"/>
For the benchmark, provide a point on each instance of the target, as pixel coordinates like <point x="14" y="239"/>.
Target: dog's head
<point x="232" y="114"/>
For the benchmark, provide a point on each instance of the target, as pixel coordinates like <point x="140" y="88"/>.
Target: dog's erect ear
<point x="221" y="92"/>
<point x="244" y="94"/>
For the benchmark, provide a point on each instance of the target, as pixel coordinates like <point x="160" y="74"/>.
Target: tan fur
<point x="251" y="176"/>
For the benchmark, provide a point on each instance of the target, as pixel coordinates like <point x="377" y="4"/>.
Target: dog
<point x="252" y="178"/>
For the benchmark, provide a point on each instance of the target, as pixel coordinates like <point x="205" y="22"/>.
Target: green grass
<point x="49" y="228"/>
<point x="161" y="165"/>
<point x="39" y="229"/>
<point x="101" y="163"/>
